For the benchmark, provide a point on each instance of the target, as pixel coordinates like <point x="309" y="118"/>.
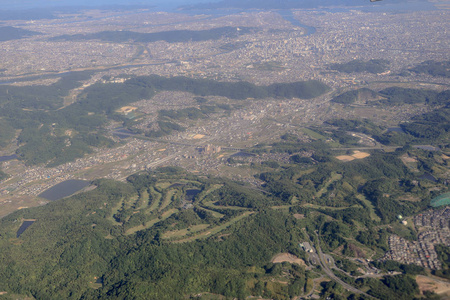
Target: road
<point x="323" y="263"/>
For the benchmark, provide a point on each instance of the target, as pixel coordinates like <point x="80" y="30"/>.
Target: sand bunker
<point x="290" y="258"/>
<point x="355" y="155"/>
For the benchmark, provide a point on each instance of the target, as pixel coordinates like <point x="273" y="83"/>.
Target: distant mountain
<point x="28" y="14"/>
<point x="174" y="36"/>
<point x="8" y="33"/>
<point x="283" y="4"/>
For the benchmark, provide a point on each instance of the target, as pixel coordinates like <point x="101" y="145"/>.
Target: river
<point x="289" y="16"/>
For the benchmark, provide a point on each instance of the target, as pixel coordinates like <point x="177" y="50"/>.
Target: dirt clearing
<point x="290" y="258"/>
<point x="437" y="286"/>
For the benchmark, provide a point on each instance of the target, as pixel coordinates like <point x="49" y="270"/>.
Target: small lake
<point x="426" y="147"/>
<point x="190" y="194"/>
<point x="24" y="227"/>
<point x="7" y="157"/>
<point x="64" y="189"/>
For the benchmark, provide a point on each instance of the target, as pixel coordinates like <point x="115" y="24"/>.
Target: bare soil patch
<point x="299" y="216"/>
<point x="290" y="258"/>
<point x="440" y="287"/>
<point x="360" y="155"/>
<point x="345" y="157"/>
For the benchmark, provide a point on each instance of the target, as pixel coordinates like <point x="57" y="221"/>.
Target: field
<point x="355" y="155"/>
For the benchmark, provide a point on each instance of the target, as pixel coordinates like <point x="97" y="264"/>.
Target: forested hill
<point x="373" y="66"/>
<point x="146" y="239"/>
<point x="8" y="33"/>
<point x="283" y="4"/>
<point x="174" y="36"/>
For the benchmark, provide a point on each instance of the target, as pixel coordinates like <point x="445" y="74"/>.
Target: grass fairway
<point x="142" y="202"/>
<point x="167" y="199"/>
<point x="152" y="222"/>
<point x="334" y="177"/>
<point x="182" y="232"/>
<point x="313" y="134"/>
<point x="214" y="187"/>
<point x="114" y="210"/>
<point x="330" y="207"/>
<point x="214" y="213"/>
<point x="370" y="206"/>
<point x="215" y="229"/>
<point x="156" y="199"/>
<point x="211" y="205"/>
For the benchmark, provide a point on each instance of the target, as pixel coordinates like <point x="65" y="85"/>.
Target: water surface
<point x="64" y="189"/>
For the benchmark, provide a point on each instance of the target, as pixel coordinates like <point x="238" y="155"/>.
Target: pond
<point x="190" y="194"/>
<point x="64" y="189"/>
<point x="429" y="177"/>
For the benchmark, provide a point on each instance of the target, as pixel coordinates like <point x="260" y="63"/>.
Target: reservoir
<point x="64" y="189"/>
<point x="24" y="227"/>
<point x="190" y="194"/>
<point x="396" y="129"/>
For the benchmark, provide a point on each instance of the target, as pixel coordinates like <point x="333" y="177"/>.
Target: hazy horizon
<point x="28" y="4"/>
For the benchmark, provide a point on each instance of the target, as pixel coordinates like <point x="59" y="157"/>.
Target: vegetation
<point x="174" y="36"/>
<point x="39" y="111"/>
<point x="444" y="256"/>
<point x="146" y="239"/>
<point x="372" y="66"/>
<point x="352" y="96"/>
<point x="433" y="68"/>
<point x="8" y="33"/>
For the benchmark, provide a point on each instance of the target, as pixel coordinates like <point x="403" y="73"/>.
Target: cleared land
<point x="439" y="287"/>
<point x="355" y="155"/>
<point x="290" y="258"/>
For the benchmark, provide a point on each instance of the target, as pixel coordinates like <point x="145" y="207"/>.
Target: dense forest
<point x="373" y="66"/>
<point x="174" y="36"/>
<point x="141" y="239"/>
<point x="272" y="4"/>
<point x="433" y="68"/>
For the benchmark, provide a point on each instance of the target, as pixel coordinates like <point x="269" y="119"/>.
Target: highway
<point x="323" y="263"/>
